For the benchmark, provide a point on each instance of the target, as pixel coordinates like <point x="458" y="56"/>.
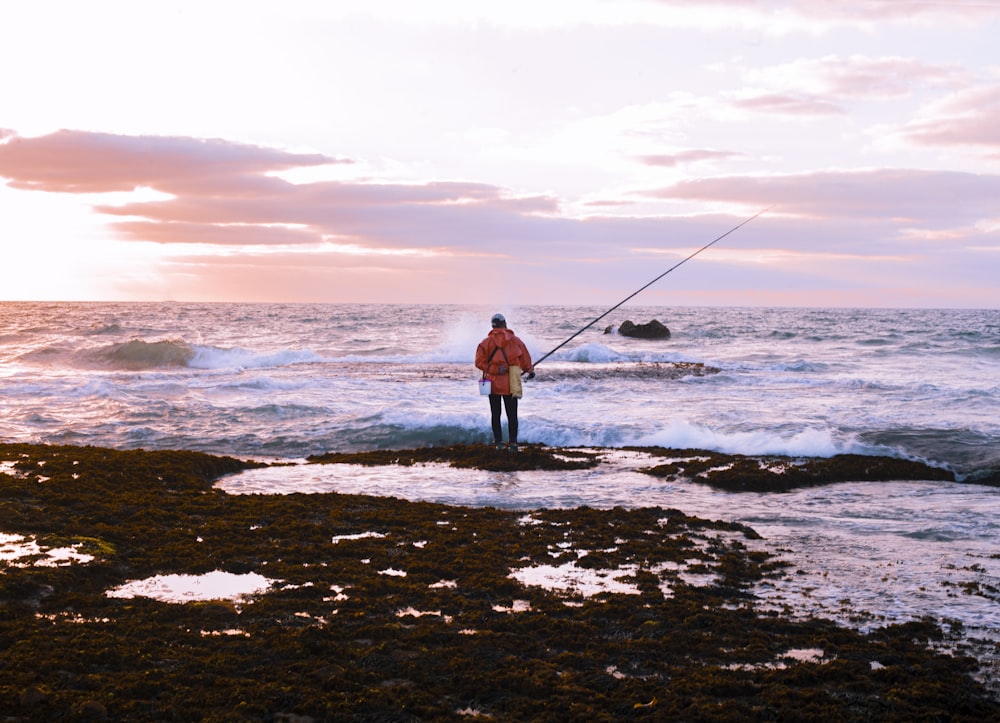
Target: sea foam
<point x="809" y="442"/>
<point x="207" y="357"/>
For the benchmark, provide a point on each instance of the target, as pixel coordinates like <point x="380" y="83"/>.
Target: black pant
<point x="510" y="404"/>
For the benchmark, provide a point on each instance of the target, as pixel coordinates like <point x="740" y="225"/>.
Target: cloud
<point x="671" y="160"/>
<point x="965" y="118"/>
<point x="368" y="214"/>
<point x="906" y="195"/>
<point x="239" y="226"/>
<point x="608" y="203"/>
<point x="220" y="193"/>
<point x="858" y="76"/>
<point x="83" y="162"/>
<point x="849" y="11"/>
<point x="231" y="234"/>
<point x="883" y="9"/>
<point x="788" y="104"/>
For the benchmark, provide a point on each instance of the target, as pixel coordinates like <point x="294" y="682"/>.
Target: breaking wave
<point x="139" y="354"/>
<point x="810" y="442"/>
<point x="215" y="358"/>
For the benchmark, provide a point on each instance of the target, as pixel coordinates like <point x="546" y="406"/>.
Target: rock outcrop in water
<point x="778" y="473"/>
<point x="650" y="330"/>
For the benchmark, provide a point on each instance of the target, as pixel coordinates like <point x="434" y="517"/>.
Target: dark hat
<point x="498" y="321"/>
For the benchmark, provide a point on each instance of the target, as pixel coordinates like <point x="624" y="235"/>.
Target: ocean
<point x="283" y="381"/>
<point x="289" y="380"/>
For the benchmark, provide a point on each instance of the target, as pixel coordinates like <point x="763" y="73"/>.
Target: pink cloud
<point x="79" y="161"/>
<point x="376" y="215"/>
<point x="853" y="12"/>
<point x="903" y="195"/>
<point x="883" y="9"/>
<point x="968" y="118"/>
<point x="609" y="203"/>
<point x="788" y="104"/>
<point x="241" y="234"/>
<point x="864" y="77"/>
<point x="221" y="194"/>
<point x="421" y="241"/>
<point x="670" y="160"/>
<point x="860" y="76"/>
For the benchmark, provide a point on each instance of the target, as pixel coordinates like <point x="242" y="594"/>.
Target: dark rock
<point x="774" y="473"/>
<point x="32" y="697"/>
<point x="468" y="456"/>
<point x="93" y="710"/>
<point x="650" y="330"/>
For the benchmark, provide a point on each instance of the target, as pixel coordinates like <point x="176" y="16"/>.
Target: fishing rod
<point x="636" y="293"/>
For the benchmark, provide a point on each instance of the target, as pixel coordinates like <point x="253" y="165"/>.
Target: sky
<point x="540" y="152"/>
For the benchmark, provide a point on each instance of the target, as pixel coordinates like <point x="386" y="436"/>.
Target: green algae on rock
<point x="390" y="610"/>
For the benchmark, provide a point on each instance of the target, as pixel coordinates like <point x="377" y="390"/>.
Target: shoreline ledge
<point x="731" y="472"/>
<point x="384" y="609"/>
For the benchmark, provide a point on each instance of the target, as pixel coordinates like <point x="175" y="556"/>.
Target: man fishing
<point x="502" y="357"/>
<point x="515" y="354"/>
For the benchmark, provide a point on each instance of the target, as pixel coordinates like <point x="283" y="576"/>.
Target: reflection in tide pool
<point x="21" y="551"/>
<point x="216" y="585"/>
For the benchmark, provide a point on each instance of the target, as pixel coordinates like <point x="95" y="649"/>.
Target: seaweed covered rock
<point x="469" y="456"/>
<point x="382" y="609"/>
<point x="776" y="473"/>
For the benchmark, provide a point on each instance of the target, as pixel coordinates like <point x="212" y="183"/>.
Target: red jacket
<point x="505" y="342"/>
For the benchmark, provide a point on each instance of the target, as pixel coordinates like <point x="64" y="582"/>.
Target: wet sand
<point x="383" y="609"/>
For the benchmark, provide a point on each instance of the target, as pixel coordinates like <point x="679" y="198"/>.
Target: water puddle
<point x="570" y="578"/>
<point x="215" y="585"/>
<point x="20" y="551"/>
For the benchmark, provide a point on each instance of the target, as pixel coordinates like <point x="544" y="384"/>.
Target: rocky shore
<point x="382" y="609"/>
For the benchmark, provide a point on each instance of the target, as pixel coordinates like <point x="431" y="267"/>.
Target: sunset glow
<point x="470" y="152"/>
